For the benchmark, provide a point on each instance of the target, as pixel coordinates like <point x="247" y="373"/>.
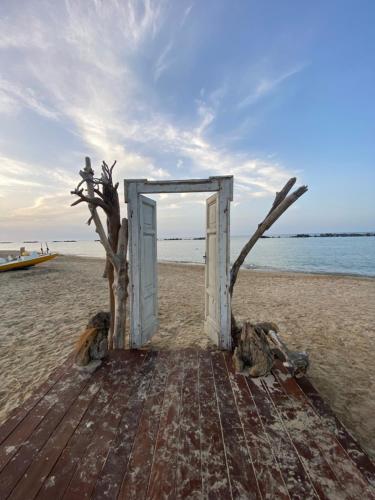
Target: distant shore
<point x="197" y="238"/>
<point x="43" y="310"/>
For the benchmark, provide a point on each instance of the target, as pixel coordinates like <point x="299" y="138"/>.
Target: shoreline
<point x="245" y="267"/>
<point x="276" y="270"/>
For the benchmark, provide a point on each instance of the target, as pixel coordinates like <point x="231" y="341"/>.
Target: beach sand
<point x="43" y="310"/>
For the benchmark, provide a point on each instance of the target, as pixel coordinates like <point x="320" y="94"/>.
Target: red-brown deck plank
<point x="267" y="471"/>
<point x="18" y="414"/>
<point x="72" y="385"/>
<point x="295" y="476"/>
<point x="214" y="469"/>
<point x="322" y="476"/>
<point x="354" y="450"/>
<point x="335" y="455"/>
<point x="22" y="423"/>
<point x="111" y="476"/>
<point x="135" y="481"/>
<point x="42" y="464"/>
<point x="241" y="471"/>
<point x="178" y="424"/>
<point x="189" y="479"/>
<point x="88" y="470"/>
<point x="114" y="372"/>
<point x="162" y="482"/>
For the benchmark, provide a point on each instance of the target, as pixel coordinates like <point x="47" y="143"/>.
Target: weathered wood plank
<point x="215" y="477"/>
<point x="181" y="425"/>
<point x="301" y="434"/>
<point x="42" y="464"/>
<point x="294" y="474"/>
<point x="270" y="481"/>
<point x="71" y="386"/>
<point x="189" y="479"/>
<point x="111" y="476"/>
<point x="26" y="427"/>
<point x="114" y="373"/>
<point x="22" y="411"/>
<point x="162" y="482"/>
<point x="352" y="447"/>
<point x="136" y="478"/>
<point x="88" y="470"/>
<point x="241" y="471"/>
<point x="335" y="455"/>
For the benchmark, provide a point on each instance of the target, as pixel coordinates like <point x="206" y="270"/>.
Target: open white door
<point x="143" y="272"/>
<point x="212" y="323"/>
<point x="217" y="303"/>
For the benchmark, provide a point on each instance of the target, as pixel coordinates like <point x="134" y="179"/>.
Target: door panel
<point x="212" y="323"/>
<point x="148" y="268"/>
<point x="217" y="300"/>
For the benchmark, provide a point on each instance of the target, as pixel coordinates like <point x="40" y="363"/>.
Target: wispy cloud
<point x="14" y="97"/>
<point x="162" y="62"/>
<point x="186" y="14"/>
<point x="267" y="85"/>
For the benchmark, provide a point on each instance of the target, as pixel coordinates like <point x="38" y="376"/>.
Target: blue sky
<point x="184" y="89"/>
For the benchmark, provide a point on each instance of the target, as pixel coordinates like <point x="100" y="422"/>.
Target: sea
<point x="333" y="255"/>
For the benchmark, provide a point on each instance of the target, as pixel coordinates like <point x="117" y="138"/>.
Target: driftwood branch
<point x="88" y="175"/>
<point x="114" y="241"/>
<point x="282" y="194"/>
<point x="95" y="201"/>
<point x="283" y="200"/>
<point x="280" y="205"/>
<point x="297" y="362"/>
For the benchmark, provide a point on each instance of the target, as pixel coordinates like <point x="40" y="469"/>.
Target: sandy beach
<point x="44" y="309"/>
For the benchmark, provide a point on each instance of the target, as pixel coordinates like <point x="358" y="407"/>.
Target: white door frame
<point x="223" y="185"/>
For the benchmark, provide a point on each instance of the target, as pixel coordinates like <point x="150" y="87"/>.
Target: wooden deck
<point x="178" y="425"/>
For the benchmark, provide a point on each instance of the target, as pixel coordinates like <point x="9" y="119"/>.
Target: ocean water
<point x="343" y="255"/>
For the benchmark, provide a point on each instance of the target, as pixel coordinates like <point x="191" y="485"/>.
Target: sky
<point x="262" y="90"/>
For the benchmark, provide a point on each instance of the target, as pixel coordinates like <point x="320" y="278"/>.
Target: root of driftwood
<point x="259" y="345"/>
<point x="92" y="345"/>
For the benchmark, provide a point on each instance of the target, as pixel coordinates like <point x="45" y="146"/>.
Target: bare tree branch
<point x="281" y="203"/>
<point x="99" y="193"/>
<point x="95" y="216"/>
<point x="281" y="196"/>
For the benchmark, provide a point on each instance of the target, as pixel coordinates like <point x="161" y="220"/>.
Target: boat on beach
<point x="25" y="260"/>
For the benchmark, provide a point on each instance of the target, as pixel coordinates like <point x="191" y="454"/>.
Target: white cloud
<point x="84" y="66"/>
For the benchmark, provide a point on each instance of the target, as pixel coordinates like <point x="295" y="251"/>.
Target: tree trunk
<point x="113" y="228"/>
<point x="115" y="242"/>
<point x="120" y="295"/>
<point x="120" y="287"/>
<point x="281" y="203"/>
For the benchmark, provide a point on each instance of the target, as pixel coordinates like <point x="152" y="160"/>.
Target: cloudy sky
<point x="262" y="90"/>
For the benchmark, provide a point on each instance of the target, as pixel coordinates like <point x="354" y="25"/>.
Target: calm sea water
<point x="349" y="255"/>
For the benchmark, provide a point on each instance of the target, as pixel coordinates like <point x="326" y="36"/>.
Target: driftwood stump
<point x="253" y="355"/>
<point x="259" y="345"/>
<point x="92" y="345"/>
